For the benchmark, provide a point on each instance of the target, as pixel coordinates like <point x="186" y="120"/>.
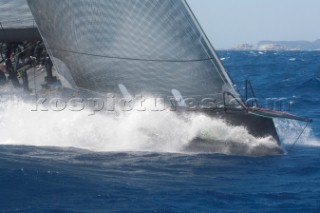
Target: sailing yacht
<point x="145" y="47"/>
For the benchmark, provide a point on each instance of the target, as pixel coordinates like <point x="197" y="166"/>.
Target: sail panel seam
<point x="133" y="59"/>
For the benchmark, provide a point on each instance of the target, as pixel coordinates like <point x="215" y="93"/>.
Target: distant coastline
<point x="281" y="46"/>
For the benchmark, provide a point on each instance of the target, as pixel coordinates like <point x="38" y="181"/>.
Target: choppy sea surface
<point x="72" y="162"/>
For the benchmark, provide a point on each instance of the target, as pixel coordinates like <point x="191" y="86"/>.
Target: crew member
<point x="13" y="75"/>
<point x="3" y="77"/>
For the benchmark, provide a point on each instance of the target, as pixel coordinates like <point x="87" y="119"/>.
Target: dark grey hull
<point x="259" y="127"/>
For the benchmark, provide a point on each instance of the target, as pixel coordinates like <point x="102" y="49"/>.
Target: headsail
<point x="149" y="46"/>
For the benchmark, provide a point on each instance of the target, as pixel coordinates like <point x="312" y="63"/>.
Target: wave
<point x="314" y="142"/>
<point x="127" y="131"/>
<point x="310" y="85"/>
<point x="289" y="132"/>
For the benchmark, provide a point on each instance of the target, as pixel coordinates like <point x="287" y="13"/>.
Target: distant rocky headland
<point x="282" y="45"/>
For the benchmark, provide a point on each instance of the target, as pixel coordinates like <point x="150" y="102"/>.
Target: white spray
<point x="128" y="131"/>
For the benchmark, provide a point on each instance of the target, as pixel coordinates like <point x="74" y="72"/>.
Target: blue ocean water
<point x="45" y="179"/>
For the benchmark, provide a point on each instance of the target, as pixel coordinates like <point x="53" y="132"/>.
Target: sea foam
<point x="162" y="131"/>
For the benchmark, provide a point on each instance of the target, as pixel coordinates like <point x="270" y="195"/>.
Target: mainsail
<point x="151" y="47"/>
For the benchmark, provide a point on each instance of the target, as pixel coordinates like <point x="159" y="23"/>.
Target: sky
<point x="229" y="23"/>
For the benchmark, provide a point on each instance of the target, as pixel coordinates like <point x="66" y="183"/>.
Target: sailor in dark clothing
<point x="38" y="51"/>
<point x="13" y="75"/>
<point x="3" y="78"/>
